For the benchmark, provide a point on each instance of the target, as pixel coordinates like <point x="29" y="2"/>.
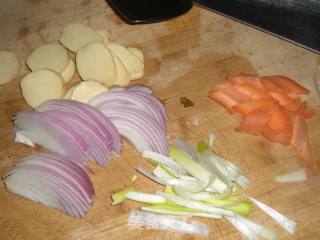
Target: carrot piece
<point x="286" y="101"/>
<point x="220" y="87"/>
<point x="252" y="91"/>
<point x="252" y="105"/>
<point x="227" y="96"/>
<point x="224" y="100"/>
<point x="308" y="112"/>
<point x="255" y="121"/>
<point x="279" y="127"/>
<point x="275" y="136"/>
<point x="282" y="84"/>
<point x="300" y="139"/>
<point x="246" y="79"/>
<point x="280" y="120"/>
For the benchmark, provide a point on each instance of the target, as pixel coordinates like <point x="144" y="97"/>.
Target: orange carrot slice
<point x="253" y="105"/>
<point x="255" y="121"/>
<point x="279" y="127"/>
<point x="286" y="101"/>
<point x="300" y="139"/>
<point x="246" y="79"/>
<point x="282" y="84"/>
<point x="251" y="91"/>
<point x="224" y="100"/>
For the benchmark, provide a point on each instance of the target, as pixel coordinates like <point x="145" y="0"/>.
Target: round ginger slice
<point x="9" y="66"/>
<point x="86" y="90"/>
<point x="74" y="36"/>
<point x="137" y="53"/>
<point x="95" y="62"/>
<point x="40" y="86"/>
<point x="69" y="92"/>
<point x="51" y="56"/>
<point x="129" y="60"/>
<point x="122" y="75"/>
<point x="69" y="70"/>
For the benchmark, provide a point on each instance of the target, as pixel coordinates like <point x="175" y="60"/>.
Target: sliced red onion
<point x="129" y="98"/>
<point x="53" y="180"/>
<point x="102" y="126"/>
<point x="139" y="128"/>
<point x="139" y="116"/>
<point x="100" y="151"/>
<point x="54" y="135"/>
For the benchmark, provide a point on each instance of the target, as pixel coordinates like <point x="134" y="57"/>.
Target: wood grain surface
<point x="184" y="57"/>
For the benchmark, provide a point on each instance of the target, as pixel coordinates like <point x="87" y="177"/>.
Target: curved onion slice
<point x="143" y="131"/>
<point x="51" y="133"/>
<point x="148" y="105"/>
<point x="140" y="88"/>
<point x="100" y="124"/>
<point x="100" y="151"/>
<point x="53" y="180"/>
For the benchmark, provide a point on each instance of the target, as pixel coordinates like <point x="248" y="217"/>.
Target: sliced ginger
<point x="40" y="86"/>
<point x="86" y="90"/>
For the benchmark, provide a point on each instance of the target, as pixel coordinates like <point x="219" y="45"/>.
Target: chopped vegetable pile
<point x="200" y="184"/>
<point x="270" y="106"/>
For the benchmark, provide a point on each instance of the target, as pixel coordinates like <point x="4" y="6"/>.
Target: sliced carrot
<point x="286" y="101"/>
<point x="227" y="96"/>
<point x="282" y="84"/>
<point x="279" y="127"/>
<point x="275" y="136"/>
<point x="246" y="79"/>
<point x="220" y="86"/>
<point x="280" y="121"/>
<point x="251" y="91"/>
<point x="300" y="139"/>
<point x="224" y="100"/>
<point x="253" y="105"/>
<point x="255" y="121"/>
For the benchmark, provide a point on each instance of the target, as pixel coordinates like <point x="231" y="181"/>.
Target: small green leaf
<point x="186" y="102"/>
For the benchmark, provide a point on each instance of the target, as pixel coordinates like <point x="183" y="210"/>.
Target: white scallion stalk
<point x="151" y="220"/>
<point x="189" y="164"/>
<point x="160" y="172"/>
<point x="218" y="185"/>
<point x="167" y="161"/>
<point x="296" y="176"/>
<point x="146" y="198"/>
<point x="252" y="230"/>
<point x="199" y="196"/>
<point x="195" y="205"/>
<point x="151" y="176"/>
<point x="180" y="213"/>
<point x="285" y="222"/>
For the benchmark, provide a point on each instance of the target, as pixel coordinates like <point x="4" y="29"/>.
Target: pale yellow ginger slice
<point x="86" y="90"/>
<point x="40" y="86"/>
<point x="9" y="66"/>
<point x="95" y="62"/>
<point x="69" y="70"/>
<point x="122" y="75"/>
<point x="49" y="56"/>
<point x="130" y="61"/>
<point x="137" y="52"/>
<point x="75" y="35"/>
<point x="69" y="92"/>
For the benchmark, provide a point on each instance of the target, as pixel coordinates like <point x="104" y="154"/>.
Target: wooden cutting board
<point x="184" y="57"/>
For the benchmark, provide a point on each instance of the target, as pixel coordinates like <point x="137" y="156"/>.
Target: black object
<point x="297" y="21"/>
<point x="149" y="11"/>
